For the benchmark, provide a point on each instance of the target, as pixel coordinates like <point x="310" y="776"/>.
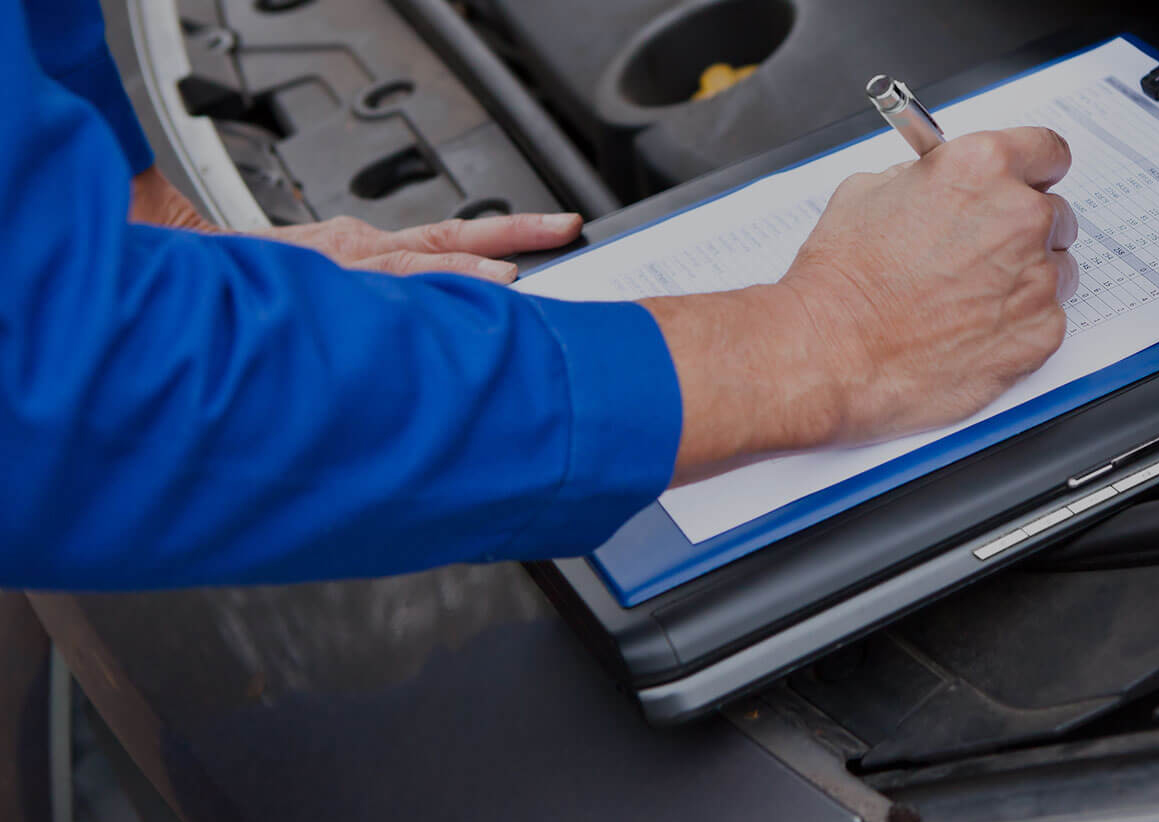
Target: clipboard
<point x="771" y="600"/>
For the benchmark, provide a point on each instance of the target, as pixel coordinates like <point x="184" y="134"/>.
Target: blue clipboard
<point x="650" y="556"/>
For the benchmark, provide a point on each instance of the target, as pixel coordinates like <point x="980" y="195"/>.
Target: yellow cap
<point x="719" y="77"/>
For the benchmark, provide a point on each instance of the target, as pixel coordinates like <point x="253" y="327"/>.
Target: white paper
<point x="752" y="235"/>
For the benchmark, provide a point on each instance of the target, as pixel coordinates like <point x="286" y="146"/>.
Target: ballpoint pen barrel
<point x="916" y="127"/>
<point x="902" y="110"/>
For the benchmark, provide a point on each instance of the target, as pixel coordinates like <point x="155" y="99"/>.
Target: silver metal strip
<point x="1138" y="478"/>
<point x="996" y="547"/>
<point x="1056" y="517"/>
<point x="1092" y="499"/>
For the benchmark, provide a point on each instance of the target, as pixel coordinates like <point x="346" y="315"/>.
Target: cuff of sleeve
<point x="99" y="82"/>
<point x="626" y="422"/>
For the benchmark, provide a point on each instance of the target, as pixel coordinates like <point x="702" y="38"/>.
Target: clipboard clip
<point x="1150" y="84"/>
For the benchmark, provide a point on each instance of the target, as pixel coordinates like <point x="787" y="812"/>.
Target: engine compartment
<point x="1032" y="695"/>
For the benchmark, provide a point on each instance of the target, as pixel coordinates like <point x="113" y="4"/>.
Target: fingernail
<point x="498" y="270"/>
<point x="559" y="222"/>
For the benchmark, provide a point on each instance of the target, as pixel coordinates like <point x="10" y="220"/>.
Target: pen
<point x="897" y="104"/>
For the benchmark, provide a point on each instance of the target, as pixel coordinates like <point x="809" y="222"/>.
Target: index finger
<point x="1040" y="155"/>
<point x="492" y="236"/>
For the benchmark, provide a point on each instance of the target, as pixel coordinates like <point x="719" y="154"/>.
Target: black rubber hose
<point x="570" y="176"/>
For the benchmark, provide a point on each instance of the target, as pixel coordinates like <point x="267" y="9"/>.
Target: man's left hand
<point x="470" y="247"/>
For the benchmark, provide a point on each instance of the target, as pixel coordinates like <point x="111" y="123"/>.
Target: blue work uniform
<point x="179" y="409"/>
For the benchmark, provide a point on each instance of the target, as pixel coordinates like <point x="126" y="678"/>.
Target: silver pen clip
<point x="902" y="110"/>
<point x="914" y="101"/>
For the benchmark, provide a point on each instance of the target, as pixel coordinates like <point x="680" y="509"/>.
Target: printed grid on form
<point x="1115" y="194"/>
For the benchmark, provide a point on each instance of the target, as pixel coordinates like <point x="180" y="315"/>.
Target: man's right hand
<point x="923" y="293"/>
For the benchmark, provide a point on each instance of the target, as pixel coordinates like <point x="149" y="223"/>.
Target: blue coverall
<point x="179" y="409"/>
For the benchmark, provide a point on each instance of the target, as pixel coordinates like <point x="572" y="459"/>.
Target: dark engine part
<point x="341" y="108"/>
<point x="1032" y="694"/>
<point x="622" y="72"/>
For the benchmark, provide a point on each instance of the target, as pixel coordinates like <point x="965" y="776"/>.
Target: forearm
<point x="754" y="377"/>
<point x="231" y="411"/>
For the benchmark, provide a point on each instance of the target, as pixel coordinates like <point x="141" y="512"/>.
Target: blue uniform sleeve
<point x="178" y="409"/>
<point x="68" y="38"/>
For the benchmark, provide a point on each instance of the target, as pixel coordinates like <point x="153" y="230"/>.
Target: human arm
<point x="67" y="38"/>
<point x="181" y="409"/>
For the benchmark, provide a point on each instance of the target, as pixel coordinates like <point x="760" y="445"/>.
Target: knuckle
<point x="1045" y="279"/>
<point x="1042" y="336"/>
<point x="1047" y="336"/>
<point x="894" y="170"/>
<point x="1050" y="286"/>
<point x="1035" y="214"/>
<point x="431" y="237"/>
<point x="441" y="236"/>
<point x="1068" y="278"/>
<point x="1028" y="212"/>
<point x="460" y="264"/>
<point x="854" y="183"/>
<point x="350" y="238"/>
<point x="1036" y="291"/>
<point x="351" y="225"/>
<point x="1055" y="328"/>
<point x="524" y="222"/>
<point x="405" y="261"/>
<point x="1071" y="266"/>
<point x="987" y="152"/>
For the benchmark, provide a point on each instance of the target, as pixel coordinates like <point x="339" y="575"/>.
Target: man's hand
<point x="457" y="246"/>
<point x="923" y="293"/>
<point x="951" y="291"/>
